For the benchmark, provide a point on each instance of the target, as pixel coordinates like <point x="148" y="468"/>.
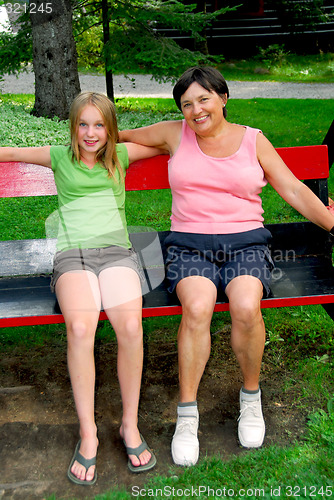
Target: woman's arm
<point x="162" y="135"/>
<point x="292" y="190"/>
<point x="37" y="155"/>
<point x="139" y="152"/>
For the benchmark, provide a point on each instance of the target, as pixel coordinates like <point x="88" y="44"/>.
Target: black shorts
<point x="219" y="257"/>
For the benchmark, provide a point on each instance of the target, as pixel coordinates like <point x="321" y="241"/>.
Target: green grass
<point x="276" y="64"/>
<point x="298" y="339"/>
<point x="299" y="470"/>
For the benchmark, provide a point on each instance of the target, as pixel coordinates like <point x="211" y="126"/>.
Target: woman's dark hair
<point x="207" y="77"/>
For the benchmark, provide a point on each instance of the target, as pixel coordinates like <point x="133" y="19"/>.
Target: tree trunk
<point x="54" y="58"/>
<point x="202" y="45"/>
<point x="106" y="40"/>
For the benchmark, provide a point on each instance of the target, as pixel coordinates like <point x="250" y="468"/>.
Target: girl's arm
<point x="162" y="135"/>
<point x="292" y="190"/>
<point x="139" y="152"/>
<point x="37" y="155"/>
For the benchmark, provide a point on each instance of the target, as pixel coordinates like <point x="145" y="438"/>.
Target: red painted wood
<point x="171" y="310"/>
<point x="20" y="179"/>
<point x="306" y="162"/>
<point x="31" y="320"/>
<point x="25" y="179"/>
<point x="151" y="173"/>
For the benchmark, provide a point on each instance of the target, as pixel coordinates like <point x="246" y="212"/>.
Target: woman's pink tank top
<point x="216" y="195"/>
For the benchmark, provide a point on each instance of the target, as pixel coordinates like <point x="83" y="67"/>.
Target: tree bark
<point x="202" y="45"/>
<point x="54" y="58"/>
<point x="106" y="40"/>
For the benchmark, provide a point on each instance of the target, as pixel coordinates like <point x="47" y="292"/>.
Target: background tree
<point x="132" y="39"/>
<point x="125" y="38"/>
<point x="202" y="45"/>
<point x="296" y="17"/>
<point x="54" y="59"/>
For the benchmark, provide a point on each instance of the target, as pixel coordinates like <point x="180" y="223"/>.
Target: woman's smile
<point x="201" y="119"/>
<point x="201" y="107"/>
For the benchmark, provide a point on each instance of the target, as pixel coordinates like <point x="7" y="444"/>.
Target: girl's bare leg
<point x="79" y="300"/>
<point x="122" y="302"/>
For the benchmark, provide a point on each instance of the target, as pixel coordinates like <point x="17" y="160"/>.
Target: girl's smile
<point x="92" y="133"/>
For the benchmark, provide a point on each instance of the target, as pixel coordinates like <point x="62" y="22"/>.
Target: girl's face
<point x="203" y="110"/>
<point x="92" y="133"/>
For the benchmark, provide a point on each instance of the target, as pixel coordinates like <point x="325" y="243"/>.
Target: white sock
<point x="187" y="409"/>
<point x="250" y="395"/>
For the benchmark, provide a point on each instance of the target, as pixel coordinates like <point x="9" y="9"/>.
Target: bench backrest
<point x="20" y="179"/>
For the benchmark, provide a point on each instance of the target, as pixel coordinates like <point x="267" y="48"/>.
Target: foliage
<point x="90" y="49"/>
<point x="18" y="128"/>
<point x="296" y="17"/>
<point x="321" y="426"/>
<point x="16" y="49"/>
<point x="160" y="56"/>
<point x="277" y="64"/>
<point x="135" y="42"/>
<point x="273" y="55"/>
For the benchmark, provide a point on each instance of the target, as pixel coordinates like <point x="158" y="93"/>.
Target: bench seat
<point x="303" y="275"/>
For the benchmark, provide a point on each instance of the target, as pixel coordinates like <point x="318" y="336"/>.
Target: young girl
<point x="95" y="264"/>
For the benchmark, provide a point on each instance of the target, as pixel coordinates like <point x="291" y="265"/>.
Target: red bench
<point x="302" y="251"/>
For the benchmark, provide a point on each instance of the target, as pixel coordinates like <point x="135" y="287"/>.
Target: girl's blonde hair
<point x="106" y="155"/>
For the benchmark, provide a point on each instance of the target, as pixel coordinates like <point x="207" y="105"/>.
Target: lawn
<point x="277" y="64"/>
<point x="300" y="339"/>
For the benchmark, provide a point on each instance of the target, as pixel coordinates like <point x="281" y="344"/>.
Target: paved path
<point x="144" y="86"/>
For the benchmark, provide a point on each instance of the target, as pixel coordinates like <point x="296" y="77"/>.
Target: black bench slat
<point x="300" y="251"/>
<point x="26" y="297"/>
<point x="306" y="277"/>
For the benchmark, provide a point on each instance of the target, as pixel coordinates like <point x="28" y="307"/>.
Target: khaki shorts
<point x="94" y="260"/>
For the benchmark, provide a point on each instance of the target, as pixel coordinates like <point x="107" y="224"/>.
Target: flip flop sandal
<point x="137" y="451"/>
<point x="82" y="461"/>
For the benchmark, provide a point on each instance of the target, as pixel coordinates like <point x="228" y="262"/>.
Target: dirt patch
<point x="39" y="427"/>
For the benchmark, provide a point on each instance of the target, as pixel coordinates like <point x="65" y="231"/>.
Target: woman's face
<point x="92" y="133"/>
<point x="202" y="110"/>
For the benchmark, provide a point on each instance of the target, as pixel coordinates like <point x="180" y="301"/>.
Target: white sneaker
<point x="185" y="445"/>
<point x="251" y="427"/>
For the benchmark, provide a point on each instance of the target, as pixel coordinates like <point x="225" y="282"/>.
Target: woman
<point x="216" y="172"/>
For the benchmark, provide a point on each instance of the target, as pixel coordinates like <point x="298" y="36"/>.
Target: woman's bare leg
<point x="248" y="339"/>
<point x="198" y="297"/>
<point x="248" y="331"/>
